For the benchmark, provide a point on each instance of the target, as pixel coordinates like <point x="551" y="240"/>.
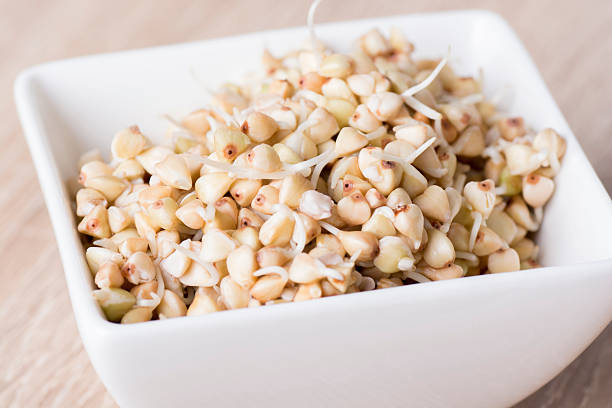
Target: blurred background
<point x="42" y="361"/>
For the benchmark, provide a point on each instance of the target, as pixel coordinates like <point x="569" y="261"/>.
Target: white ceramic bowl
<point x="486" y="341"/>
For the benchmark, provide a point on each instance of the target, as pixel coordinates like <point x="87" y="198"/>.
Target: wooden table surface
<point x="42" y="361"/>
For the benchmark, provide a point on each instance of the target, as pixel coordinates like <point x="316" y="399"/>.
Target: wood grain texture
<point x="42" y="361"/>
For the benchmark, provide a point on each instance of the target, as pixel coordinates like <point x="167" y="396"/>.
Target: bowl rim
<point x="467" y="12"/>
<point x="88" y="313"/>
<point x="356" y="301"/>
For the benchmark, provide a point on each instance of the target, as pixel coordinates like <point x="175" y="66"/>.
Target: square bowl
<point x="485" y="341"/>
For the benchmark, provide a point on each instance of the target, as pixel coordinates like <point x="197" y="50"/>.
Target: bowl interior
<point x="84" y="101"/>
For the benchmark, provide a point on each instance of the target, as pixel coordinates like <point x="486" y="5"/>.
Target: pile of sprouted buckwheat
<point x="323" y="175"/>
